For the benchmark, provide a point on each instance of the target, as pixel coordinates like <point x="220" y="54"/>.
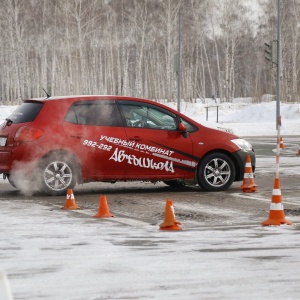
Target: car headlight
<point x="242" y="144"/>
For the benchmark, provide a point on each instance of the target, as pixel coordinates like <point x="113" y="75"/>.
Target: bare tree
<point x="128" y="47"/>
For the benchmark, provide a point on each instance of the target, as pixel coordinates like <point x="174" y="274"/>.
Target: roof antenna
<point x="48" y="96"/>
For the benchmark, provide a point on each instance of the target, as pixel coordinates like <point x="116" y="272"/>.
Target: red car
<point x="54" y="143"/>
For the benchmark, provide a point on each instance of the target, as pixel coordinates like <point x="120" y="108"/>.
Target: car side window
<point x="146" y="116"/>
<point x="97" y="113"/>
<point x="133" y="115"/>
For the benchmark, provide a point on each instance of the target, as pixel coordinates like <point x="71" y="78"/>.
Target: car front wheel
<point x="58" y="175"/>
<point x="216" y="172"/>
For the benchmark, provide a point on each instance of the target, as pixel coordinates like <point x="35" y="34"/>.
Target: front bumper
<point x="240" y="158"/>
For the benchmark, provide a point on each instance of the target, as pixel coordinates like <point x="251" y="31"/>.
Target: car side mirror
<point x="183" y="130"/>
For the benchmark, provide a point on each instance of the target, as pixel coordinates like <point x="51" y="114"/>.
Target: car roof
<point x="74" y="98"/>
<point x="87" y="97"/>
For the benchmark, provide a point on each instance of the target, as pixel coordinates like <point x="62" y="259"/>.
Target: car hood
<point x="217" y="126"/>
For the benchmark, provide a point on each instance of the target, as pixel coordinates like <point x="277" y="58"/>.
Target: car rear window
<point x="26" y="112"/>
<point x="97" y="113"/>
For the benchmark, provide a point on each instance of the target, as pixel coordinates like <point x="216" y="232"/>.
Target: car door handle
<point x="76" y="136"/>
<point x="135" y="138"/>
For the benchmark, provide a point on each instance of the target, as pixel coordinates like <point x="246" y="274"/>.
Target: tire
<point x="175" y="183"/>
<point x="26" y="184"/>
<point x="57" y="175"/>
<point x="216" y="172"/>
<point x="11" y="181"/>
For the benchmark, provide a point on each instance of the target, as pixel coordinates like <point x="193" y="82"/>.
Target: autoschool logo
<point x="142" y="162"/>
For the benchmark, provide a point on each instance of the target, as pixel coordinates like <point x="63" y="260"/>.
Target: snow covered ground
<point x="51" y="254"/>
<point x="246" y="119"/>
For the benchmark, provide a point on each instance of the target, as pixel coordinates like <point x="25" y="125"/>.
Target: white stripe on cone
<point x="276" y="206"/>
<point x="248" y="175"/>
<point x="276" y="192"/>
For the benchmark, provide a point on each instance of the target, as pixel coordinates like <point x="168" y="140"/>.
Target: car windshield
<point x="26" y="112"/>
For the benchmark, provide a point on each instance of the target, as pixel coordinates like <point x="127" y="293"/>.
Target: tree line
<point x="129" y="47"/>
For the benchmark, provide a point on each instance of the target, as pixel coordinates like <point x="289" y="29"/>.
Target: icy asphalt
<point x="50" y="253"/>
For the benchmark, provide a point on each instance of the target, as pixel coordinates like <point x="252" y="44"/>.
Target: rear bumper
<point x="23" y="157"/>
<point x="5" y="161"/>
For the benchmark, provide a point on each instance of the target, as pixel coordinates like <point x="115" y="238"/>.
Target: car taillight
<point x="28" y="134"/>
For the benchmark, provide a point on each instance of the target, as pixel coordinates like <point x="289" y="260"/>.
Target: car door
<point x="158" y="150"/>
<point x="94" y="130"/>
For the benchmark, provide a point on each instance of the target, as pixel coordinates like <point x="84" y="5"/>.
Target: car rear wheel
<point x="20" y="181"/>
<point x="58" y="175"/>
<point x="11" y="181"/>
<point x="216" y="172"/>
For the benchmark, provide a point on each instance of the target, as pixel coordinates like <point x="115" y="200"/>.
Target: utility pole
<point x="179" y="62"/>
<point x="272" y="55"/>
<point x="278" y="66"/>
<point x="278" y="117"/>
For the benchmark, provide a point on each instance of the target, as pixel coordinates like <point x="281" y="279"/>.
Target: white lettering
<point x="133" y="145"/>
<point x="120" y="156"/>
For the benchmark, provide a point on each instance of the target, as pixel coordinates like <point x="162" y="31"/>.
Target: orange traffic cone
<point x="281" y="144"/>
<point x="298" y="153"/>
<point x="276" y="215"/>
<point x="248" y="184"/>
<point x="170" y="223"/>
<point x="103" y="211"/>
<point x="70" y="202"/>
